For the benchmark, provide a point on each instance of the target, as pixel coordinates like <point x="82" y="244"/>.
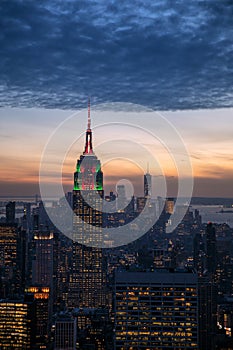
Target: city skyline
<point x="170" y="57"/>
<point x="116" y="196"/>
<point x="206" y="135"/>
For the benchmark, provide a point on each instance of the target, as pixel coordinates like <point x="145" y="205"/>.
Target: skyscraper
<point x="207" y="313"/>
<point x="147" y="184"/>
<point x="87" y="279"/>
<point x="65" y="333"/>
<point x="17" y="329"/>
<point x="42" y="280"/>
<point x="12" y="246"/>
<point x="211" y="252"/>
<point x="42" y="264"/>
<point x="42" y="320"/>
<point x="156" y="310"/>
<point x="10" y="213"/>
<point x="121" y="197"/>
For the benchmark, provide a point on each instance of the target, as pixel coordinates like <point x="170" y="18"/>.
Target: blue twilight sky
<point x="173" y="56"/>
<point x="165" y="54"/>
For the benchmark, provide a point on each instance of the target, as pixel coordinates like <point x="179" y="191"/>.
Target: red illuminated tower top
<point x="88" y="145"/>
<point x="88" y="175"/>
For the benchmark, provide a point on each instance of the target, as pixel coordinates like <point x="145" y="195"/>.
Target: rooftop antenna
<point x="89" y="115"/>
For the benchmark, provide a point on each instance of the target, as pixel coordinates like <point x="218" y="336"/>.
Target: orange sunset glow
<point x="209" y="146"/>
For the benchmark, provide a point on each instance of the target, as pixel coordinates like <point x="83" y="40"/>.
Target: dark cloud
<point x="165" y="54"/>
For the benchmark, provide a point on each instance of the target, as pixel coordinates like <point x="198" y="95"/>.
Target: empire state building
<point x="87" y="279"/>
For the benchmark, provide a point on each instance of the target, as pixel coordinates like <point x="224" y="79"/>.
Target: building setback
<point x="87" y="278"/>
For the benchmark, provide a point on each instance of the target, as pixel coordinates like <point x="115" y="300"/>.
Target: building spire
<point x="88" y="145"/>
<point x="89" y="115"/>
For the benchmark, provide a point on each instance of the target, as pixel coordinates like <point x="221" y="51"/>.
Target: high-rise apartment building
<point x="156" y="310"/>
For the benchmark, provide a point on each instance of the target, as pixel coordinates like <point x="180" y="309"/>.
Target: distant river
<point x="213" y="213"/>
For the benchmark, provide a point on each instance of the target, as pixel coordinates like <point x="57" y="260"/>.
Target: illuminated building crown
<point x="88" y="175"/>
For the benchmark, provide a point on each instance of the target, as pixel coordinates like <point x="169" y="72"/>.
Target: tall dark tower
<point x="10" y="213"/>
<point x="211" y="251"/>
<point x="87" y="280"/>
<point x="147" y="184"/>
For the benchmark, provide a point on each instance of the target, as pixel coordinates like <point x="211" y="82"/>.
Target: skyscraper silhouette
<point x="10" y="213"/>
<point x="147" y="184"/>
<point x="211" y="252"/>
<point x="87" y="279"/>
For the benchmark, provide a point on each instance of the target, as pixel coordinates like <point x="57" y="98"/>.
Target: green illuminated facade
<point x="88" y="175"/>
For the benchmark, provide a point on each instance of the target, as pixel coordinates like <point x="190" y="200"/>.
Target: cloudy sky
<point x="172" y="56"/>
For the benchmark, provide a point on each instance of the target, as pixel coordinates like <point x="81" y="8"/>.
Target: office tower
<point x="22" y="258"/>
<point x="112" y="196"/>
<point x="27" y="223"/>
<point x="65" y="333"/>
<point x="62" y="273"/>
<point x="121" y="197"/>
<point x="11" y="260"/>
<point x="94" y="329"/>
<point x="211" y="252"/>
<point x="17" y="324"/>
<point x="199" y="255"/>
<point x="111" y="204"/>
<point x="156" y="310"/>
<point x="10" y="213"/>
<point x="35" y="220"/>
<point x="224" y="269"/>
<point x="207" y="313"/>
<point x="147" y="185"/>
<point x="198" y="218"/>
<point x="42" y="281"/>
<point x="42" y="264"/>
<point x="87" y="280"/>
<point x="42" y="320"/>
